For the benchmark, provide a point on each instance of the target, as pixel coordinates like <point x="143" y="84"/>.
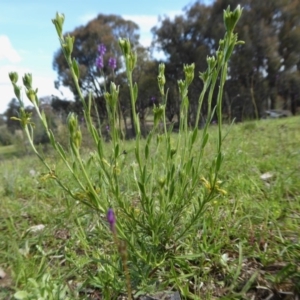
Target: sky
<point x="28" y="39"/>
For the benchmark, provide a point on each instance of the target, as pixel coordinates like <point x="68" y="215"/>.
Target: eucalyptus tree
<point x="262" y="72"/>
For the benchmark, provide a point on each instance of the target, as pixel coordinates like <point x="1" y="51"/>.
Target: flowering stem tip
<point x="111" y="219"/>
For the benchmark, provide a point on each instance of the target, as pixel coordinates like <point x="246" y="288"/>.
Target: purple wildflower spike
<point x="99" y="62"/>
<point x="112" y="63"/>
<point x="111" y="219"/>
<point x="101" y="49"/>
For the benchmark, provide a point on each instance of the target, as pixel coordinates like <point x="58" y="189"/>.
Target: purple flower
<point x="99" y="62"/>
<point x="111" y="219"/>
<point x="107" y="128"/>
<point x="112" y="63"/>
<point x="153" y="99"/>
<point x="101" y="49"/>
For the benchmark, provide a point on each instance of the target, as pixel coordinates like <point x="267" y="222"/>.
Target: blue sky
<point x="28" y="39"/>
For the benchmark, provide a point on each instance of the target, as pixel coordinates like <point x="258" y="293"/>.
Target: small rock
<point x="36" y="228"/>
<point x="62" y="234"/>
<point x="266" y="176"/>
<point x="5" y="279"/>
<point x="2" y="274"/>
<point x="32" y="172"/>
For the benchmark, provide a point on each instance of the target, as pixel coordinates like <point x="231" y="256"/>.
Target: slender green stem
<point x="46" y="165"/>
<point x="200" y="101"/>
<point x="122" y="249"/>
<point x="90" y="185"/>
<point x="132" y="97"/>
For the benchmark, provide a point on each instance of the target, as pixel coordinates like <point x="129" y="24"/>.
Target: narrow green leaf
<point x="52" y="139"/>
<point x="171" y="191"/>
<point x="100" y="149"/>
<point x="44" y="120"/>
<point x="194" y="136"/>
<point x="89" y="161"/>
<point x="219" y="161"/>
<point x="137" y="155"/>
<point x="117" y="150"/>
<point x="144" y="174"/>
<point x="74" y="167"/>
<point x="75" y="67"/>
<point x="146" y="151"/>
<point x="135" y="91"/>
<point x="89" y="105"/>
<point x="229" y="50"/>
<point x="142" y="188"/>
<point x="189" y="165"/>
<point x="205" y="139"/>
<point x="61" y="150"/>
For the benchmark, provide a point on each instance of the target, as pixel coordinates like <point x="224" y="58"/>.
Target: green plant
<point x="45" y="289"/>
<point x="6" y="138"/>
<point x="159" y="189"/>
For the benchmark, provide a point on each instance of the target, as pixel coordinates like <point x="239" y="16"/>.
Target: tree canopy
<point x="264" y="73"/>
<point x="105" y="30"/>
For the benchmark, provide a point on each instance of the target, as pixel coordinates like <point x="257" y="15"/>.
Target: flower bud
<point x="231" y="17"/>
<point x="189" y="73"/>
<point x="59" y="22"/>
<point x="221" y="44"/>
<point x="173" y="151"/>
<point x="125" y="46"/>
<point x="13" y="76"/>
<point x="161" y="68"/>
<point x="132" y="60"/>
<point x="77" y="138"/>
<point x="162" y="181"/>
<point x="182" y="87"/>
<point x="72" y="123"/>
<point x="114" y="90"/>
<point x="27" y="81"/>
<point x="204" y="76"/>
<point x="219" y="56"/>
<point x="108" y="97"/>
<point x="68" y="45"/>
<point x="211" y="61"/>
<point x="32" y="95"/>
<point x="161" y="78"/>
<point x="17" y="90"/>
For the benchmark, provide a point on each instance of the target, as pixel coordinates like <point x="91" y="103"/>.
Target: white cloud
<point x="44" y="83"/>
<point x="146" y="39"/>
<point x="7" y="52"/>
<point x="10" y="62"/>
<point x="147" y="22"/>
<point x="7" y="92"/>
<point x="87" y="17"/>
<point x="9" y="58"/>
<point x="173" y="13"/>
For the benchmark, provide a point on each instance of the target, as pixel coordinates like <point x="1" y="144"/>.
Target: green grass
<point x="247" y="246"/>
<point x="8" y="151"/>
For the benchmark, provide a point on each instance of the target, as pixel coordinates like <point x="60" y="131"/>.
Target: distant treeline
<point x="264" y="73"/>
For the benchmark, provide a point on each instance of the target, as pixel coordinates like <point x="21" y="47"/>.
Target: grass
<point x="247" y="246"/>
<point x="8" y="151"/>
